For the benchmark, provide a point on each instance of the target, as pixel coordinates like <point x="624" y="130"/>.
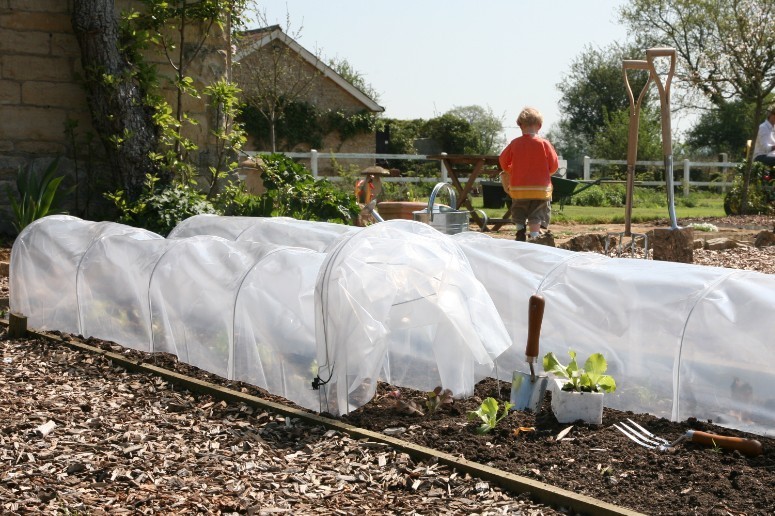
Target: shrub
<point x="39" y="196"/>
<point x="160" y="209"/>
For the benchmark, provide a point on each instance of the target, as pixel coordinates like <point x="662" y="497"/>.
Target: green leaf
<point x="552" y="365"/>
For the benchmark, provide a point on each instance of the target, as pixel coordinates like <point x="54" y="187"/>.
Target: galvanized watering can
<point x="448" y="220"/>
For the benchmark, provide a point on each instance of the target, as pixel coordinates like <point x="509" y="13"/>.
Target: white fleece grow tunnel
<point x="245" y="309"/>
<point x="402" y="302"/>
<point x="681" y="340"/>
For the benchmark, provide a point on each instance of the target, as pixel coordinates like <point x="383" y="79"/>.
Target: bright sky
<point x="425" y="57"/>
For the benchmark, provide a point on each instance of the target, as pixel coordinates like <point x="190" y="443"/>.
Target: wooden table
<point x="473" y="166"/>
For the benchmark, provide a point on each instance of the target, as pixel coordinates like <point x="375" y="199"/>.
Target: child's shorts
<point x="533" y="211"/>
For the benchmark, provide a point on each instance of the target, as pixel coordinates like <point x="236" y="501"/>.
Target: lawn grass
<point x="707" y="207"/>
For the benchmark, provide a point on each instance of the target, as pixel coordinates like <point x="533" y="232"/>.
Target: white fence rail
<point x="686" y="183"/>
<point x="315" y="157"/>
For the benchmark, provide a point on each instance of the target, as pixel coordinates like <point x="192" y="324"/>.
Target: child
<point x="530" y="162"/>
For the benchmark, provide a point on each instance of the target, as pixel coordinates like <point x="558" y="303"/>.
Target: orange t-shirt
<point x="530" y="160"/>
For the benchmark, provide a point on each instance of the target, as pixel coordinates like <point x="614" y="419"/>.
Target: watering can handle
<point x="452" y="197"/>
<point x="535" y="316"/>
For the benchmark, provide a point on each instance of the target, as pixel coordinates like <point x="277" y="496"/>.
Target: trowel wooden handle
<point x="750" y="447"/>
<point x="535" y="316"/>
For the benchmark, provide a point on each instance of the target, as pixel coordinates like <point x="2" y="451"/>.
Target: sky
<point x="425" y="57"/>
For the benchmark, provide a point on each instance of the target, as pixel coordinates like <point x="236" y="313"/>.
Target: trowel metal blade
<point x="526" y="393"/>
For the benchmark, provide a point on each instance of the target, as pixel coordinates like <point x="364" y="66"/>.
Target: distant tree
<point x="354" y="77"/>
<point x="594" y="88"/>
<point x="612" y="142"/>
<point x="723" y="128"/>
<point x="454" y="134"/>
<point x="593" y="95"/>
<point x="485" y="124"/>
<point x="726" y="48"/>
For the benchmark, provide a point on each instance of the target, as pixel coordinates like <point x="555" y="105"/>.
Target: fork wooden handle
<point x="749" y="447"/>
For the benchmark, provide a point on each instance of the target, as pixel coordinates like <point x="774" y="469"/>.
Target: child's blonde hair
<point x="530" y="117"/>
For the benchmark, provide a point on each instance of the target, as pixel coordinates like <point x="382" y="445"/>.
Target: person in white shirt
<point x="764" y="150"/>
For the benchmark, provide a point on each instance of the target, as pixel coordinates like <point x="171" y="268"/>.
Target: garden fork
<point x="643" y="437"/>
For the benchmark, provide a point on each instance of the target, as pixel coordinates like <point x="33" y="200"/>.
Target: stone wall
<point x="39" y="91"/>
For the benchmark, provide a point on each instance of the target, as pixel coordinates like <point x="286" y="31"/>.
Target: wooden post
<point x="17" y="326"/>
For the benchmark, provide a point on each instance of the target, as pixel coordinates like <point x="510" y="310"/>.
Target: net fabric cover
<point x="402" y="302"/>
<point x="243" y="307"/>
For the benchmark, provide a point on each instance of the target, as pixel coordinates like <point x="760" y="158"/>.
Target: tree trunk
<point x="749" y="156"/>
<point x="117" y="107"/>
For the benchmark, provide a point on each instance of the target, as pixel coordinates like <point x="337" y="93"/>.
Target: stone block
<point x="65" y="45"/>
<point x="765" y="239"/>
<point x="41" y="21"/>
<point x="47" y="6"/>
<point x="33" y="123"/>
<point x="54" y="94"/>
<point x="673" y="245"/>
<point x="39" y="147"/>
<point x="25" y="42"/>
<point x="719" y="244"/>
<point x="10" y="92"/>
<point x="35" y="68"/>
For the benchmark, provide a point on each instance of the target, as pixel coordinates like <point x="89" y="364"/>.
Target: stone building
<point x="269" y="53"/>
<point x="40" y="67"/>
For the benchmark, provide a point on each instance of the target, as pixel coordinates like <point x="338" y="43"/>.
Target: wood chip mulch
<point x="81" y="436"/>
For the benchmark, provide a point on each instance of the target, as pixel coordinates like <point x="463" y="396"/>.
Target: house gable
<point x="260" y="38"/>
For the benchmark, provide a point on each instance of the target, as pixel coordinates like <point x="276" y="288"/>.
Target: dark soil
<point x="594" y="460"/>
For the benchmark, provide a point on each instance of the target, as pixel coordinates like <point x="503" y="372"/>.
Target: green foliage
<point x="760" y="193"/>
<point x="160" y="207"/>
<point x="38" y="195"/>
<point x="488" y="414"/>
<point x="223" y="98"/>
<point x="302" y="123"/>
<point x="612" y="140"/>
<point x="723" y="128"/>
<point x="485" y="125"/>
<point x="292" y="191"/>
<point x="454" y="134"/>
<point x="354" y="77"/>
<point x="594" y="88"/>
<point x="590" y="379"/>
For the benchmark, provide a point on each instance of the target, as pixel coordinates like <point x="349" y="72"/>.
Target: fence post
<point x="686" y="178"/>
<point x="587" y="166"/>
<point x="443" y="169"/>
<point x="313" y="162"/>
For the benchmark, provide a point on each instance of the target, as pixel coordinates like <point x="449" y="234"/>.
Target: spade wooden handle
<point x="535" y="316"/>
<point x="749" y="447"/>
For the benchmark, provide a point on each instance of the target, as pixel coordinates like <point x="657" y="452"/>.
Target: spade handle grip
<point x="535" y="316"/>
<point x="749" y="447"/>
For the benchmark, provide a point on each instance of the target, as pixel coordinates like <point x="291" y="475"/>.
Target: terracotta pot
<point x="390" y="210"/>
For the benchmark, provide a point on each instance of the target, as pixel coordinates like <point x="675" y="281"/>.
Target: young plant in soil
<point x="589" y="379"/>
<point x="488" y="413"/>
<point x="438" y="398"/>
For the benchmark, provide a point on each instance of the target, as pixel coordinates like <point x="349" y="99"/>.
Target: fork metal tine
<point x="646" y="432"/>
<point x="633" y="436"/>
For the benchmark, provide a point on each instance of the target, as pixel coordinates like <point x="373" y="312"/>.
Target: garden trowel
<point x="527" y="390"/>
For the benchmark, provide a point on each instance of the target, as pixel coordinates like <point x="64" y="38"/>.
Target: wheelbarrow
<point x="563" y="189"/>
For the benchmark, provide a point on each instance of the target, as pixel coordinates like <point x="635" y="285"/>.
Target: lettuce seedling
<point x="590" y="379"/>
<point x="437" y="398"/>
<point x="488" y="413"/>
